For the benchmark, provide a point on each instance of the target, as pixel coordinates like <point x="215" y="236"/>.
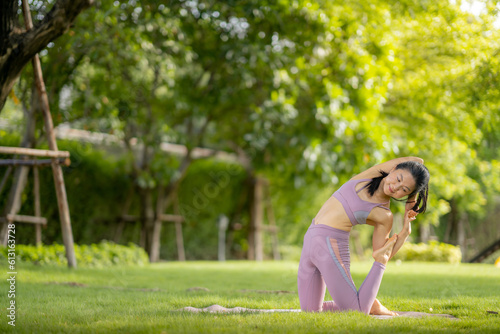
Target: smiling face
<point x="399" y="183"/>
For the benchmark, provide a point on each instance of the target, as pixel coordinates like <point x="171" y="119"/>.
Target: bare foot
<point x="383" y="254"/>
<point x="379" y="309"/>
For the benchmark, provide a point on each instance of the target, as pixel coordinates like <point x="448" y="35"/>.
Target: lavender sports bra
<point x="356" y="208"/>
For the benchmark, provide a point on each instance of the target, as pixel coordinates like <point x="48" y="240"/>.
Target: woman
<point x="362" y="200"/>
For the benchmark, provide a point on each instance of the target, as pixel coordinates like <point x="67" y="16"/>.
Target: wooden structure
<point x="11" y="216"/>
<point x="11" y="211"/>
<point x="53" y="153"/>
<point x="260" y="201"/>
<point x="176" y="219"/>
<point x="486" y="252"/>
<point x="159" y="219"/>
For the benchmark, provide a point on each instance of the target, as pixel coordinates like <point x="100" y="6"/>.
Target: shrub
<point x="432" y="252"/>
<point x="99" y="178"/>
<point x="104" y="254"/>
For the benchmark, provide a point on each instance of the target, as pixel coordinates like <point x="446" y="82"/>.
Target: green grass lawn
<point x="141" y="299"/>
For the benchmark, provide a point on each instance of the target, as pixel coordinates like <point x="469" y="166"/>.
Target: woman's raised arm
<point x="385" y="166"/>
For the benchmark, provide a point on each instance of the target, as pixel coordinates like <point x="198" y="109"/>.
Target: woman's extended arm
<point x="383" y="226"/>
<point x="405" y="232"/>
<point x="385" y="166"/>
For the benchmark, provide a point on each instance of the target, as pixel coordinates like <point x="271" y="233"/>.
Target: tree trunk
<point x="251" y="225"/>
<point x="8" y="20"/>
<point x="272" y="223"/>
<point x="8" y="25"/>
<point x="181" y="256"/>
<point x="255" y="246"/>
<point x="452" y="221"/>
<point x="154" y="252"/>
<point x="125" y="210"/>
<point x="18" y="47"/>
<point x="147" y="217"/>
<point x="462" y="221"/>
<point x="236" y="216"/>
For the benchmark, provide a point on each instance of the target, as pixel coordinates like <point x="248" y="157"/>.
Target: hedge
<point x="434" y="251"/>
<point x="99" y="255"/>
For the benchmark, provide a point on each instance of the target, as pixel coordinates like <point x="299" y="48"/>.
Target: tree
<point x="18" y="46"/>
<point x="254" y="82"/>
<point x="365" y="82"/>
<point x="443" y="106"/>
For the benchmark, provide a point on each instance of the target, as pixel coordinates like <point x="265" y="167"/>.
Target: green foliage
<point x="365" y="82"/>
<point x="97" y="183"/>
<point x="101" y="255"/>
<point x="209" y="189"/>
<point x="442" y="104"/>
<point x="432" y="252"/>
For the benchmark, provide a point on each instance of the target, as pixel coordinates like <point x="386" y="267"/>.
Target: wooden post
<point x="257" y="217"/>
<point x="154" y="255"/>
<point x="5" y="178"/>
<point x="35" y="162"/>
<point x="36" y="192"/>
<point x="25" y="219"/>
<point x="222" y="224"/>
<point x="178" y="233"/>
<point x="251" y="227"/>
<point x="177" y="219"/>
<point x="62" y="200"/>
<point x="14" y="200"/>
<point x="35" y="152"/>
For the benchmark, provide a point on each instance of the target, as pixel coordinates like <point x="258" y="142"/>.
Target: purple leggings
<point x="325" y="259"/>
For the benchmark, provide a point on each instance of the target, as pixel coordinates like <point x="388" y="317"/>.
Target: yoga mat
<point x="221" y="309"/>
<point x="415" y="315"/>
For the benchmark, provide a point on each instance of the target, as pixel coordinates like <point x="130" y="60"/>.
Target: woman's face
<point x="399" y="183"/>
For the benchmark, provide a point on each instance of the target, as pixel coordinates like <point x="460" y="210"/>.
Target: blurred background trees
<point x="303" y="93"/>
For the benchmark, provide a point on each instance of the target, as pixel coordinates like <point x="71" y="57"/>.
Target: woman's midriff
<point x="332" y="214"/>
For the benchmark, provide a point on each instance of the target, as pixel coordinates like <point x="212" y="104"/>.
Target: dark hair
<point x="421" y="176"/>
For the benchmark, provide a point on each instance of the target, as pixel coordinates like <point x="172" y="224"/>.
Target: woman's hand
<point x="409" y="217"/>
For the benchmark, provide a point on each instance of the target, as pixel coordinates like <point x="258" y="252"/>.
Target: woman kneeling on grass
<point x="364" y="199"/>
